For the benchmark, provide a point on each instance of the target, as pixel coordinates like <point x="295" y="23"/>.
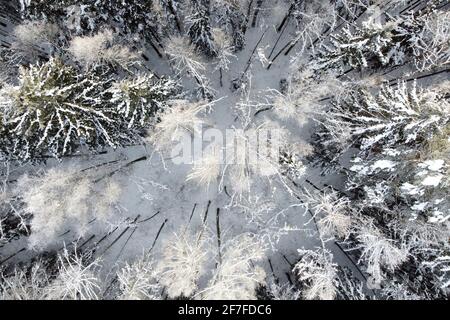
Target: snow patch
<point x="433" y="165"/>
<point x="432" y="180"/>
<point x="419" y="206"/>
<point x="383" y="164"/>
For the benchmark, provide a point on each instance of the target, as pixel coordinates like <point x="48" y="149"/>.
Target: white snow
<point x="434" y="165"/>
<point x="432" y="180"/>
<point x="410" y="189"/>
<point x="383" y="165"/>
<point x="419" y="206"/>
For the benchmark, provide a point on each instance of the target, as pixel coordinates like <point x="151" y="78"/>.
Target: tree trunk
<point x="257" y="10"/>
<point x="247" y="17"/>
<point x="285" y="19"/>
<point x="174" y="13"/>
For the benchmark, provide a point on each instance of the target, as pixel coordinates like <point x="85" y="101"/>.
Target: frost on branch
<point x="332" y="213"/>
<point x="379" y="252"/>
<point x="317" y="274"/>
<point x="25" y="283"/>
<point x="185" y="61"/>
<point x="139" y="98"/>
<point x="77" y="278"/>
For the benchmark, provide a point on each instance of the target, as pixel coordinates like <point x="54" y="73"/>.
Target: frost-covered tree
<point x="255" y="156"/>
<point x="276" y="291"/>
<point x="180" y="117"/>
<point x="99" y="49"/>
<point x="224" y="51"/>
<point x="184" y="58"/>
<point x="238" y="274"/>
<point x="77" y="278"/>
<point x="231" y="14"/>
<point x="53" y="11"/>
<point x="379" y="252"/>
<point x="422" y="35"/>
<point x="332" y="212"/>
<point x="13" y="222"/>
<point x="65" y="275"/>
<point x="32" y="39"/>
<point x="63" y="198"/>
<point x="173" y="11"/>
<point x="139" y="98"/>
<point x="317" y="274"/>
<point x="139" y="280"/>
<point x="313" y="19"/>
<point x="391" y="130"/>
<point x="292" y="158"/>
<point x="186" y="61"/>
<point x="54" y="110"/>
<point x="207" y="169"/>
<point x="352" y="7"/>
<point x="304" y="94"/>
<point x="318" y="277"/>
<point x="358" y="49"/>
<point x="428" y="37"/>
<point x="82" y="18"/>
<point x="182" y="264"/>
<point x="131" y="17"/>
<point x="25" y="283"/>
<point x="397" y="116"/>
<point x="5" y="140"/>
<point x="200" y="30"/>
